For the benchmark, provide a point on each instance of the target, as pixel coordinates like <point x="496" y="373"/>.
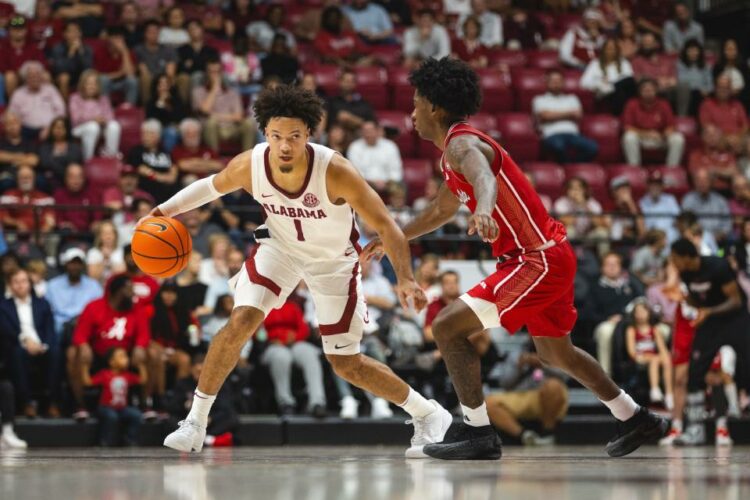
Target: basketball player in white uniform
<point x="309" y="194"/>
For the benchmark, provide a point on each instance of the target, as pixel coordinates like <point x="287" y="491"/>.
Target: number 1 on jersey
<point x="298" y="226"/>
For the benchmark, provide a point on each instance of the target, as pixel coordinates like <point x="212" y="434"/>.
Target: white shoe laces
<point x="419" y="430"/>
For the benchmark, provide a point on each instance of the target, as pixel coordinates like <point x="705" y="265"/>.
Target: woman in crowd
<point x="58" y="151"/>
<point x="579" y="211"/>
<point x="105" y="258"/>
<point x="92" y="117"/>
<point x="166" y="106"/>
<point x="610" y="77"/>
<point x="694" y="80"/>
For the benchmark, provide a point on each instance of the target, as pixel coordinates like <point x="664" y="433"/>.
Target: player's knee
<point x="346" y="367"/>
<point x="445" y="325"/>
<point x="242" y="324"/>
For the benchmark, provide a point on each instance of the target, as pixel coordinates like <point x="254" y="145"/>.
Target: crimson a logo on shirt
<point x="310" y="200"/>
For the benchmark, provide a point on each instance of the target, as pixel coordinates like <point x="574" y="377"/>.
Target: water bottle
<point x="194" y="335"/>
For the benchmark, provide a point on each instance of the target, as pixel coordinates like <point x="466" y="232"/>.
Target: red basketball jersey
<point x="524" y="223"/>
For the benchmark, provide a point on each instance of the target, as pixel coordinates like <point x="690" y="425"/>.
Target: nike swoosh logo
<point x="336" y="346"/>
<point x="162" y="227"/>
<point x="266" y="195"/>
<point x="349" y="253"/>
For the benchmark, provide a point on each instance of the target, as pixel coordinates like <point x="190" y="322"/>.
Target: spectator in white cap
<point x="580" y="44"/>
<point x="69" y="293"/>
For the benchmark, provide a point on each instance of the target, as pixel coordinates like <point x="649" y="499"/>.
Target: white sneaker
<point x="11" y="441"/>
<point x="428" y="430"/>
<point x="381" y="409"/>
<point x="189" y="436"/>
<point x="348" y="408"/>
<point x="669" y="402"/>
<point x="531" y="438"/>
<point x="668" y="440"/>
<point x="723" y="438"/>
<point x="656" y="395"/>
<point x="694" y="435"/>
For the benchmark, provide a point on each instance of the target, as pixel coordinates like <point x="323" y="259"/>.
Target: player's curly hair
<point x="289" y="102"/>
<point x="449" y="84"/>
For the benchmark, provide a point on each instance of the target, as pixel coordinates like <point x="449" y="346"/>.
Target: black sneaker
<point x="639" y="429"/>
<point x="464" y="442"/>
<point x="319" y="411"/>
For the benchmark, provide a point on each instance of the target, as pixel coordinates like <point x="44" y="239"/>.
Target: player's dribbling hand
<point x="485" y="226"/>
<point x="410" y="291"/>
<point x="153" y="213"/>
<point x="373" y="250"/>
<point x="699" y="318"/>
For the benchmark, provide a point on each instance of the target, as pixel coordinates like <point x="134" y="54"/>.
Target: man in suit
<point x="27" y="324"/>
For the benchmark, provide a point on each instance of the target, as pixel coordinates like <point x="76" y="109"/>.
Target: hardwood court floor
<point x="364" y="473"/>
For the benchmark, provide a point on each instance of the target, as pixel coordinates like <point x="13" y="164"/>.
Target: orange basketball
<point x="161" y="246"/>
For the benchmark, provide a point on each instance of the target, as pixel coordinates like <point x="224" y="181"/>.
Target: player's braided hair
<point x="449" y="84"/>
<point x="288" y="102"/>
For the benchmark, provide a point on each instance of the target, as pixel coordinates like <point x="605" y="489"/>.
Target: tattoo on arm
<point x="466" y="157"/>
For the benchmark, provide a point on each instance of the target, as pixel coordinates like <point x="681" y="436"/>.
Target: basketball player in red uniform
<point x="533" y="283"/>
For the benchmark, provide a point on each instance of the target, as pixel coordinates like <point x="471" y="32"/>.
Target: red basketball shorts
<point x="682" y="340"/>
<point x="534" y="289"/>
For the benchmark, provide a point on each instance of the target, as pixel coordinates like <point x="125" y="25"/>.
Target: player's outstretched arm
<point x="236" y="175"/>
<point x="466" y="157"/>
<point x="344" y="182"/>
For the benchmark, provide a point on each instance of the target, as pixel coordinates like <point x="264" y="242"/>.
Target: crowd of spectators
<point x="75" y="303"/>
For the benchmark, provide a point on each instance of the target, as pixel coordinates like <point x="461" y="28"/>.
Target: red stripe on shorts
<point x="342" y="326"/>
<point x="256" y="277"/>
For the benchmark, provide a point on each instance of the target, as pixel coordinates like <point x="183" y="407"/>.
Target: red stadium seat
<point x="102" y="173"/>
<point x="548" y="21"/>
<point x="676" y="180"/>
<point x="388" y="55"/>
<point x="519" y="136"/>
<point x="402" y="91"/>
<point x="130" y="119"/>
<point x="689" y="128"/>
<point x="400" y="121"/>
<point x="372" y="83"/>
<point x="496" y="91"/>
<point x="326" y="76"/>
<point x="549" y="178"/>
<point x="487" y="123"/>
<point x="638" y="177"/>
<point x="572" y="84"/>
<point x="528" y="83"/>
<point x="593" y="174"/>
<point x="510" y="58"/>
<point x="543" y="59"/>
<point x="416" y="174"/>
<point x="605" y="130"/>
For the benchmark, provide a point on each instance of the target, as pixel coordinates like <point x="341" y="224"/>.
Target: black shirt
<point x="192" y="296"/>
<point x="171" y="113"/>
<point x="161" y="162"/>
<point x="24" y="146"/>
<point x="356" y="106"/>
<point x="281" y="65"/>
<point x="705" y="285"/>
<point x="191" y="61"/>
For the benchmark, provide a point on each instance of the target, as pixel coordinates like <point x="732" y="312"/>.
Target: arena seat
<point x="519" y="136"/>
<point x="487" y="123"/>
<point x="509" y="58"/>
<point x="102" y="173"/>
<point x="401" y="89"/>
<point x="326" y="76"/>
<point x="638" y="177"/>
<point x="496" y="91"/>
<point x="527" y="83"/>
<point x="549" y="178"/>
<point x="130" y="119"/>
<point x="416" y="173"/>
<point x="689" y="128"/>
<point x="400" y="121"/>
<point x="605" y="130"/>
<point x="543" y="59"/>
<point x="372" y="83"/>
<point x="388" y="55"/>
<point x="676" y="179"/>
<point x="593" y="174"/>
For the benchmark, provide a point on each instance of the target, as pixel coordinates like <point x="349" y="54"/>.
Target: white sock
<point x="209" y="441"/>
<point x="677" y="424"/>
<point x="622" y="407"/>
<point x="416" y="405"/>
<point x="476" y="417"/>
<point x="721" y="423"/>
<point x="730" y="391"/>
<point x="201" y="407"/>
<point x="7" y="429"/>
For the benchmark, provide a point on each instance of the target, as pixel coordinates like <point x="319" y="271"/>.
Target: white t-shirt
<point x="209" y="273"/>
<point x="381" y="162"/>
<point x="557" y="103"/>
<point x="460" y="7"/>
<point x="115" y="261"/>
<point x="173" y="37"/>
<point x="603" y="82"/>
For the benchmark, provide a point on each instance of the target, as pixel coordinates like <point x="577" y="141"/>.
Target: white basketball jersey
<point x="305" y="223"/>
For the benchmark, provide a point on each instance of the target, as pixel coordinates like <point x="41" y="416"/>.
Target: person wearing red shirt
<point x="727" y="113"/>
<point x="450" y="291"/>
<point x="470" y="48"/>
<point x="117" y="65"/>
<point x="715" y="157"/>
<point x="651" y="62"/>
<point x="287" y="334"/>
<point x="113" y="402"/>
<point x="23" y="218"/>
<point x="76" y="192"/>
<point x="145" y="287"/>
<point x="192" y="157"/>
<point x="337" y="45"/>
<point x="649" y="124"/>
<point x="121" y="198"/>
<point x="113" y="321"/>
<point x="15" y="51"/>
<point x="45" y="30"/>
